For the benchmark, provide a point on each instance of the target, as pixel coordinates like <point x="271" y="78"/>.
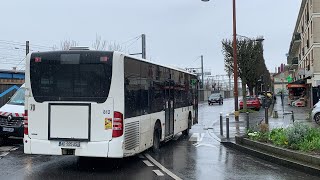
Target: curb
<point x="302" y="162"/>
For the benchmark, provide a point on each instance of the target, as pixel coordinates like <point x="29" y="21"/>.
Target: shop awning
<point x="296" y="86"/>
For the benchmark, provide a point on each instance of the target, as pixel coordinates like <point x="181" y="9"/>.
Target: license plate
<point x="8" y="129"/>
<point x="69" y="143"/>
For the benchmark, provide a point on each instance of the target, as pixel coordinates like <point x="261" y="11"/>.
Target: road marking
<point x="158" y="172"/>
<point x="141" y="156"/>
<point x="6" y="148"/>
<point x="148" y="163"/>
<point x="201" y="137"/>
<point x="4" y="154"/>
<point x="13" y="149"/>
<point x="208" y="145"/>
<point x="162" y="167"/>
<point x="197" y="137"/>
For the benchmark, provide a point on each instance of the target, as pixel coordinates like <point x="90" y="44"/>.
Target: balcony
<point x="296" y="42"/>
<point x="293" y="62"/>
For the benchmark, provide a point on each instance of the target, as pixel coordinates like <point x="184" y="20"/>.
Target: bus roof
<point x="144" y="60"/>
<point x="121" y="53"/>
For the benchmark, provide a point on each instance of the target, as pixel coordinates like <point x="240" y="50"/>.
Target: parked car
<point x="215" y="98"/>
<point x="252" y="103"/>
<point x="315" y="114"/>
<point x="12" y="116"/>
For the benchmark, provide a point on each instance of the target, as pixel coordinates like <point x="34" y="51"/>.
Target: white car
<point x="12" y="116"/>
<point x="316" y="113"/>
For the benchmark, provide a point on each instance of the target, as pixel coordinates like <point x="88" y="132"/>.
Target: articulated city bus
<point x="104" y="104"/>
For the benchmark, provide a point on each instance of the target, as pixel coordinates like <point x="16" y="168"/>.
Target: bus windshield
<point x="71" y="76"/>
<point x="18" y="97"/>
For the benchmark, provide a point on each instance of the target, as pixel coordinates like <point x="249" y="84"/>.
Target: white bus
<point x="104" y="104"/>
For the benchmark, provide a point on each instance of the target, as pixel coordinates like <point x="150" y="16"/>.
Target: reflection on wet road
<point x="197" y="156"/>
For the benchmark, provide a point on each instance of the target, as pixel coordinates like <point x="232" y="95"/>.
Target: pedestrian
<point x="281" y="95"/>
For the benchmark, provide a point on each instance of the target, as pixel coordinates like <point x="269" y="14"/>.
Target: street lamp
<point x="235" y="64"/>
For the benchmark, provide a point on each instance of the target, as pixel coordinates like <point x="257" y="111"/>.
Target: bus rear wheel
<point x="3" y="140"/>
<point x="156" y="139"/>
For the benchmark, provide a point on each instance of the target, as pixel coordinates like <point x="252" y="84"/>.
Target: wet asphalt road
<point x="184" y="157"/>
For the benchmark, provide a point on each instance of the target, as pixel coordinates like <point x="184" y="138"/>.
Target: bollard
<point x="266" y="115"/>
<point x="247" y="120"/>
<point x="275" y="114"/>
<point x="292" y="116"/>
<point x="227" y="126"/>
<point x="221" y="124"/>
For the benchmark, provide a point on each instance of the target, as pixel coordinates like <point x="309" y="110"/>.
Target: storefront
<point x="298" y="94"/>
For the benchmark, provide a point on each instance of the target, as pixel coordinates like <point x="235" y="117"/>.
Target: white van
<point x="12" y="116"/>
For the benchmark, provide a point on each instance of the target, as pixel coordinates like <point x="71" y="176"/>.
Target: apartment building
<point x="304" y="52"/>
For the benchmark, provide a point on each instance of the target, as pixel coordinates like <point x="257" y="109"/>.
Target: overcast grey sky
<point x="178" y="31"/>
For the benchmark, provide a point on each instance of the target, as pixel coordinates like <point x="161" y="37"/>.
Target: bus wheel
<point x="156" y="139"/>
<point x="3" y="140"/>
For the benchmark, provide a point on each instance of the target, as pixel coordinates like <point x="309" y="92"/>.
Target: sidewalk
<point x="301" y="115"/>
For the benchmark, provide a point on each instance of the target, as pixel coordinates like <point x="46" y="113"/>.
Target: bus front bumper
<point x="111" y="149"/>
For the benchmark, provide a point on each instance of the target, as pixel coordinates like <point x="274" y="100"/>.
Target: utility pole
<point x="27" y="47"/>
<point x="143" y="37"/>
<point x="235" y="63"/>
<point x="202" y="71"/>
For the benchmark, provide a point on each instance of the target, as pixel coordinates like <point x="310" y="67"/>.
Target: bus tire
<point x="186" y="132"/>
<point x="3" y="140"/>
<point x="156" y="138"/>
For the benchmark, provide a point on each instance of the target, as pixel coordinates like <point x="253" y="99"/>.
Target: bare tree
<point x="115" y="47"/>
<point x="66" y="44"/>
<point x="99" y="43"/>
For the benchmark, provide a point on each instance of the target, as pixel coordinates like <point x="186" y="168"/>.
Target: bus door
<point x="169" y="108"/>
<point x="195" y="85"/>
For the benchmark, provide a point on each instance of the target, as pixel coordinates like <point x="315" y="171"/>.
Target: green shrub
<point x="312" y="145"/>
<point x="278" y="137"/>
<point x="311" y="142"/>
<point x="296" y="134"/>
<point x="299" y="137"/>
<point x="259" y="136"/>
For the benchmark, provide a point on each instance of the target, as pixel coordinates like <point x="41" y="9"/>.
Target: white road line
<point x="201" y="137"/>
<point x="4" y="154"/>
<point x="141" y="156"/>
<point x="158" y="172"/>
<point x="162" y="167"/>
<point x="6" y="148"/>
<point x="197" y="137"/>
<point x="194" y="137"/>
<point x="208" y="145"/>
<point x="13" y="149"/>
<point x="148" y="163"/>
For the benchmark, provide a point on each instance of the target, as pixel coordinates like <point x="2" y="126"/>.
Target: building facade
<point x="304" y="51"/>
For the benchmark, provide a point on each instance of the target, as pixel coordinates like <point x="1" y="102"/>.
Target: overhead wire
<point x="131" y="39"/>
<point x="133" y="42"/>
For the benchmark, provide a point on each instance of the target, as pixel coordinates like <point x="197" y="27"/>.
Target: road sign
<point x="289" y="79"/>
